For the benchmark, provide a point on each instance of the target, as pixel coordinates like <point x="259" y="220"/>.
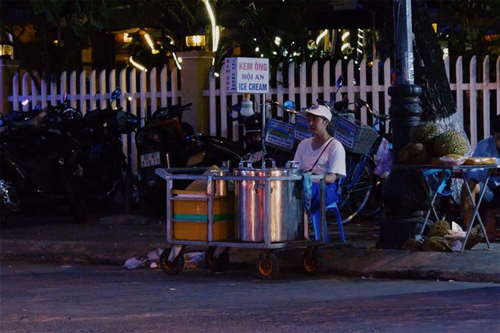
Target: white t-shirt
<point x="331" y="161"/>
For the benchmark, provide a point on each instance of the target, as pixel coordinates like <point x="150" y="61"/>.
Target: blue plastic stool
<point x="316" y="218"/>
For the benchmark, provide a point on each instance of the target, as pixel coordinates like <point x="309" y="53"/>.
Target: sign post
<point x="249" y="76"/>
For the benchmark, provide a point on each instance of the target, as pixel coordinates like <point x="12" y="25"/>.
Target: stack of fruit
<point x="428" y="146"/>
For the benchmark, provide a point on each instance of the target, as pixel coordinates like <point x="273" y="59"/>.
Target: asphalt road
<point x="50" y="298"/>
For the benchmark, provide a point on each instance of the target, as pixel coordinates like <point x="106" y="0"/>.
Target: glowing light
<point x="127" y="38"/>
<point x="149" y="40"/>
<point x="360" y="44"/>
<point x="216" y="74"/>
<point x="262" y="55"/>
<point x="195" y="40"/>
<point x="214" y="25"/>
<point x="275" y="53"/>
<point x="345" y="57"/>
<point x="257" y="49"/>
<point x="137" y="65"/>
<point x="435" y="27"/>
<point x="344" y="46"/>
<point x="277" y="40"/>
<point x="151" y="44"/>
<point x="130" y="98"/>
<point x="25" y="102"/>
<point x="345" y="35"/>
<point x="359" y="51"/>
<point x="321" y="35"/>
<point x="177" y="62"/>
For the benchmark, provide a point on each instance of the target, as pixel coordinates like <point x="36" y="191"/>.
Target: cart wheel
<point x="311" y="261"/>
<point x="174" y="267"/>
<point x="217" y="264"/>
<point x="268" y="265"/>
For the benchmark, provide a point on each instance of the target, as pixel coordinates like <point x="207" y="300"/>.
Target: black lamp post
<point x="405" y="192"/>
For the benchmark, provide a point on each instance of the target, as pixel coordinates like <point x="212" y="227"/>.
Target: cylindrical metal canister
<point x="286" y="205"/>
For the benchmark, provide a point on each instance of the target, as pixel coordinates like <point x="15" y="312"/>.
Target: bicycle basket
<point x="355" y="136"/>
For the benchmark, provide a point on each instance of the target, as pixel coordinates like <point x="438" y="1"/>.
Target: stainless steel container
<point x="286" y="206"/>
<point x="220" y="185"/>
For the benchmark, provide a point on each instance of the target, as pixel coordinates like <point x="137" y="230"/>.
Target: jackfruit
<point x="424" y="133"/>
<point x="451" y="142"/>
<point x="413" y="153"/>
<point x="440" y="229"/>
<point x="436" y="244"/>
<point x="475" y="237"/>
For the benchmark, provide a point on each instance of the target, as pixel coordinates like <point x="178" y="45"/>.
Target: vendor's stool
<point x="317" y="223"/>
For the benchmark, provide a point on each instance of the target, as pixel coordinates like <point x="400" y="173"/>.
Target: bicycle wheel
<point x="374" y="203"/>
<point x="355" y="190"/>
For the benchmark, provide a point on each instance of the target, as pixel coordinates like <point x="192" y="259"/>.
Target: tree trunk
<point x="437" y="99"/>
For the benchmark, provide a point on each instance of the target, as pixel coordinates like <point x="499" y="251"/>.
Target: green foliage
<point x="471" y="21"/>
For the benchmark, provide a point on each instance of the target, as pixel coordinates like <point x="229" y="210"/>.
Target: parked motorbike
<point x="251" y="136"/>
<point x="40" y="162"/>
<point x="105" y="168"/>
<point x="9" y="202"/>
<point x="166" y="142"/>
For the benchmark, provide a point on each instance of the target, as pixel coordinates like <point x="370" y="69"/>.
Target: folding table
<point x="441" y="174"/>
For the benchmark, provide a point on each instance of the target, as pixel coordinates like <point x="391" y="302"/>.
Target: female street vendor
<point x="321" y="155"/>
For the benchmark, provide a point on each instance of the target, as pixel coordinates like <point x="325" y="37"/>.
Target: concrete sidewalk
<point x="113" y="240"/>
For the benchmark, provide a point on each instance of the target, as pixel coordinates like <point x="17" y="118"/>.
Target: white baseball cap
<point x="320" y="111"/>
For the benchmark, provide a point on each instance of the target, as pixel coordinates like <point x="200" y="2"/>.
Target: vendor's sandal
<point x="475" y="237"/>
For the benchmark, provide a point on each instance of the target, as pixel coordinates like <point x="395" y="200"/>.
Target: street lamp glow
<point x="177" y="62"/>
<point x="137" y="65"/>
<point x="214" y="25"/>
<point x="320" y="37"/>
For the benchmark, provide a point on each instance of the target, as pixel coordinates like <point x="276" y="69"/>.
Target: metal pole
<point x="263" y="129"/>
<point x="404" y="43"/>
<point x="405" y="107"/>
<point x="405" y="111"/>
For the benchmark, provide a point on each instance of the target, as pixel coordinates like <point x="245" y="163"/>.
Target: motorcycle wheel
<point x="75" y="200"/>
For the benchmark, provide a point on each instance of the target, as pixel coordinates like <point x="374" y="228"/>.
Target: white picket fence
<point x="150" y="90"/>
<point x="304" y="94"/>
<point x="94" y="92"/>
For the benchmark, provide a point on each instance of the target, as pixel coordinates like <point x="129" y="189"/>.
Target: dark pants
<point x="491" y="198"/>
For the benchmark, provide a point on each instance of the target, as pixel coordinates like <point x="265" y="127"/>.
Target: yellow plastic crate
<point x="195" y="217"/>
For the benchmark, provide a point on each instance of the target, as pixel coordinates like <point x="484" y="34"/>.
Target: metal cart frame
<point x="311" y="260"/>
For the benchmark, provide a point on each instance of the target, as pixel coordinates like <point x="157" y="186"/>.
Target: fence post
<point x="486" y="97"/>
<point x="195" y="69"/>
<point x="8" y="68"/>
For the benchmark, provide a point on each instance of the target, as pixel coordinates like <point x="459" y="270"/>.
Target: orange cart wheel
<point x="173" y="267"/>
<point x="217" y="264"/>
<point x="268" y="266"/>
<point x="311" y="262"/>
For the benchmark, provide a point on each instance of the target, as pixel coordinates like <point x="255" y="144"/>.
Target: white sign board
<point x="247" y="75"/>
